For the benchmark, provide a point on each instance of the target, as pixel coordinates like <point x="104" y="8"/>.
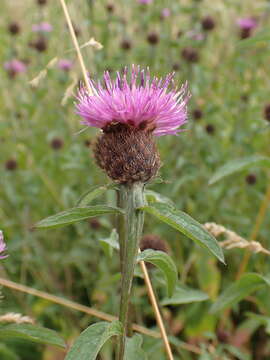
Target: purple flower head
<point x="3" y="246"/>
<point x="144" y="2"/>
<point x="65" y="64"/>
<point x="43" y="27"/>
<point x="15" y="67"/>
<point x="165" y="13"/>
<point x="247" y="23"/>
<point x="195" y="35"/>
<point x="135" y="99"/>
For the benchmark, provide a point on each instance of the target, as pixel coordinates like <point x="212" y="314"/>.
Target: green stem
<point x="130" y="231"/>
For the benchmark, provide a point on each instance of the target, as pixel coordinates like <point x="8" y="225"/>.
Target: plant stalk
<point x="130" y="199"/>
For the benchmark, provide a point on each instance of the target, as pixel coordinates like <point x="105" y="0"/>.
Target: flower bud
<point x="127" y="154"/>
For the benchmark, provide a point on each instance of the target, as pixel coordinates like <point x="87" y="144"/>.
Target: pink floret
<point x="137" y="100"/>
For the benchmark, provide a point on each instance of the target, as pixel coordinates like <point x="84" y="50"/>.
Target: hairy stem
<point x="130" y="231"/>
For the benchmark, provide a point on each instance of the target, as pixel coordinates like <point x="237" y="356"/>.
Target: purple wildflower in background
<point x="248" y="23"/>
<point x="3" y="246"/>
<point x="14" y="67"/>
<point x="165" y="13"/>
<point x="195" y="35"/>
<point x="65" y="64"/>
<point x="141" y="102"/>
<point x="145" y="2"/>
<point x="43" y="27"/>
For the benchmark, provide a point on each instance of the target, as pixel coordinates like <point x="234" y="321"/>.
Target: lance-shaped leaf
<point x="240" y="289"/>
<point x="74" y="215"/>
<point x="238" y="165"/>
<point x="186" y="225"/>
<point x="164" y="263"/>
<point x="94" y="193"/>
<point x="185" y="295"/>
<point x="32" y="333"/>
<point x="90" y="341"/>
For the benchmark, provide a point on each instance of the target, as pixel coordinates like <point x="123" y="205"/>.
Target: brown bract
<point x="128" y="154"/>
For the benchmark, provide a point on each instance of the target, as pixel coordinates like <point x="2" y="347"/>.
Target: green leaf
<point x="32" y="333"/>
<point x="164" y="263"/>
<point x="94" y="193"/>
<point x="262" y="319"/>
<point x="134" y="349"/>
<point x="236" y="352"/>
<point x="187" y="226"/>
<point x="76" y="214"/>
<point x="91" y="340"/>
<point x="185" y="295"/>
<point x="238" y="165"/>
<point x="152" y="196"/>
<point x="247" y="284"/>
<point x="110" y="243"/>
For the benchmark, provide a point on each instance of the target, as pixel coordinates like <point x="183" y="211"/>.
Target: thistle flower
<point x="65" y="64"/>
<point x="14" y="67"/>
<point x="246" y="25"/>
<point x="43" y="27"/>
<point x="130" y="112"/>
<point x="166" y="12"/>
<point x="144" y="2"/>
<point x="3" y="246"/>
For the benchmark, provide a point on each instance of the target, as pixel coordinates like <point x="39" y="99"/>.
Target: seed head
<point x="57" y="143"/>
<point x="176" y="67"/>
<point x="125" y="44"/>
<point x="155" y="242"/>
<point x="208" y="23"/>
<point x="251" y="179"/>
<point x="210" y="129"/>
<point x="11" y="165"/>
<point x="14" y="28"/>
<point x="190" y="55"/>
<point x="110" y="8"/>
<point x="267" y="112"/>
<point x="127" y="154"/>
<point x="153" y="38"/>
<point x="94" y="223"/>
<point x="40" y="44"/>
<point x="41" y="2"/>
<point x="197" y="114"/>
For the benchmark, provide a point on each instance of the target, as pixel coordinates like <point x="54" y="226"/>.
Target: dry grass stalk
<point x="69" y="91"/>
<point x="232" y="240"/>
<point x="43" y="73"/>
<point x="16" y="318"/>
